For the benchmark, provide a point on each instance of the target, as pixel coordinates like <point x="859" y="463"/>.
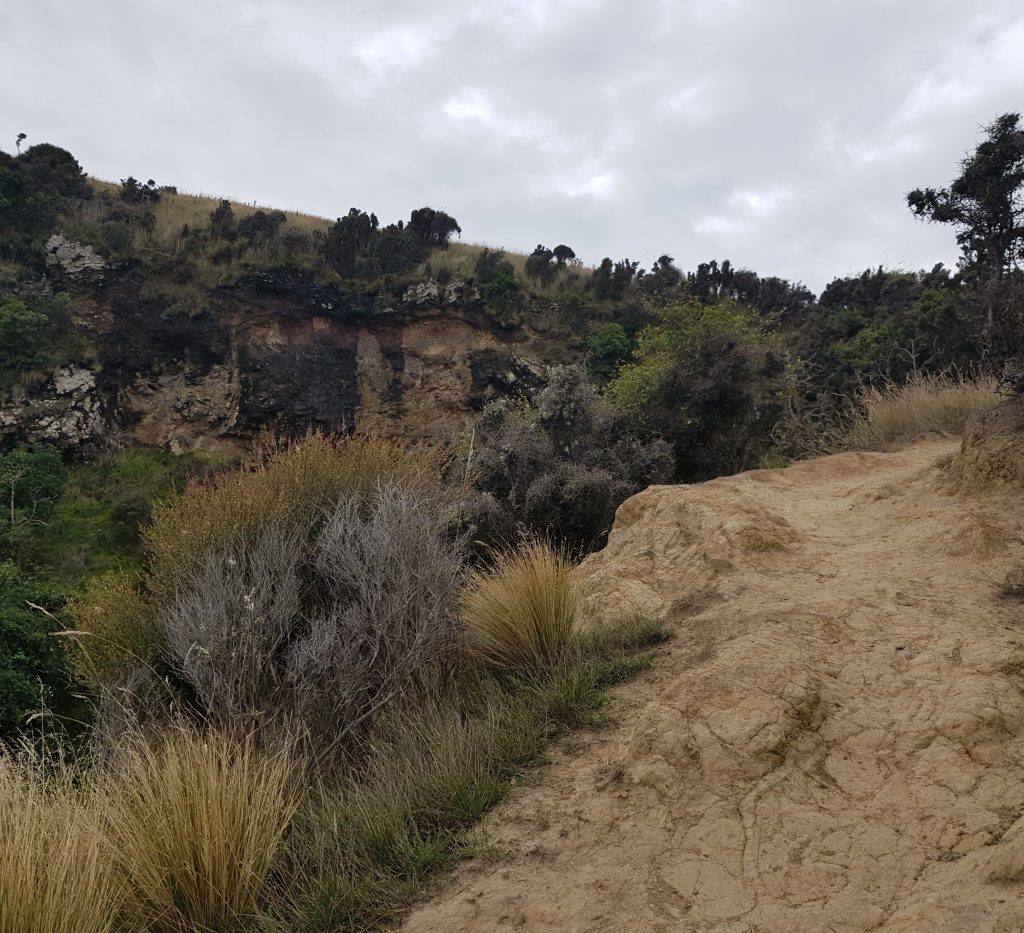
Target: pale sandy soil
<point x="833" y="741"/>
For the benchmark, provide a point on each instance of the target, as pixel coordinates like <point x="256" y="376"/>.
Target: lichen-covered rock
<point x="424" y="295"/>
<point x="66" y="412"/>
<point x="76" y="260"/>
<point x="461" y="294"/>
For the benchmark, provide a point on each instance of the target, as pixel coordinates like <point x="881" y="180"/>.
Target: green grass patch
<point x="365" y="844"/>
<point x="94" y="527"/>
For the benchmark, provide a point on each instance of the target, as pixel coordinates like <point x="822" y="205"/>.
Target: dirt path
<point x="834" y="741"/>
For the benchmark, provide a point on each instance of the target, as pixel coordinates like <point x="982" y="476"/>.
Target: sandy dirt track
<point x="833" y="741"/>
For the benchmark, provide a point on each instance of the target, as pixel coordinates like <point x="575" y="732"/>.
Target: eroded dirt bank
<point x="834" y="741"/>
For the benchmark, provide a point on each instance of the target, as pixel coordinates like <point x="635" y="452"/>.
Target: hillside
<point x="203" y="347"/>
<point x="834" y="740"/>
<point x="133" y="313"/>
<point x="296" y="506"/>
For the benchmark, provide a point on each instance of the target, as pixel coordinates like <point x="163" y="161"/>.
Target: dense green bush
<point x="36" y="338"/>
<point x="356" y="246"/>
<point x="712" y="380"/>
<point x="881" y="326"/>
<point x="34" y="187"/>
<point x="22" y="336"/>
<point x="31" y="480"/>
<point x="608" y="348"/>
<point x="31" y="661"/>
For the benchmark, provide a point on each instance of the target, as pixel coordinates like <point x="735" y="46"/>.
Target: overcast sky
<point x="781" y="135"/>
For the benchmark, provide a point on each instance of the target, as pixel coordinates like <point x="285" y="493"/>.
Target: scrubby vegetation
<point x="305" y="677"/>
<point x="558" y="465"/>
<point x="298" y="720"/>
<point x="710" y="379"/>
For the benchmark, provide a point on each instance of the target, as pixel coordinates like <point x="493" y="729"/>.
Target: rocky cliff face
<point x="270" y="353"/>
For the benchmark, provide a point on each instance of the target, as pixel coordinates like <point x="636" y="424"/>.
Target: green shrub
<point x="22" y="336"/>
<point x="31" y="661"/>
<point x="36" y="338"/>
<point x="608" y="349"/>
<point x="130" y="511"/>
<point x="31" y="480"/>
<point x="712" y="380"/>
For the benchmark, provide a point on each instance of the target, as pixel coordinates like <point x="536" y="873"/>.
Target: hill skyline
<point x="784" y="138"/>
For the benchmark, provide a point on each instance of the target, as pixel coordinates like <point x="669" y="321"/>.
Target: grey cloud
<point x="782" y="136"/>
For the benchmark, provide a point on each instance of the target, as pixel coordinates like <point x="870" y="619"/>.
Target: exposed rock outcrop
<point x="67" y="411"/>
<point x="423" y="295"/>
<point x="278" y="354"/>
<point x="76" y="260"/>
<point x="992" y="450"/>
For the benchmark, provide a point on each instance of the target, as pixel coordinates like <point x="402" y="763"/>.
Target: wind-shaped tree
<point x="985" y="205"/>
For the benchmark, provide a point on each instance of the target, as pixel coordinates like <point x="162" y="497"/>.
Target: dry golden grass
<point x="459" y="261"/>
<point x="173" y="211"/>
<point x="177" y="836"/>
<point x="519" y="614"/>
<point x="895" y="414"/>
<point x="195" y="824"/>
<point x="56" y="875"/>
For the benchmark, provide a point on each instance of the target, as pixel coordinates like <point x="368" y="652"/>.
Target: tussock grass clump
<point x="195" y="824"/>
<point x="56" y="874"/>
<point x="518" y="615"/>
<point x="893" y="414"/>
<point x="173" y="836"/>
